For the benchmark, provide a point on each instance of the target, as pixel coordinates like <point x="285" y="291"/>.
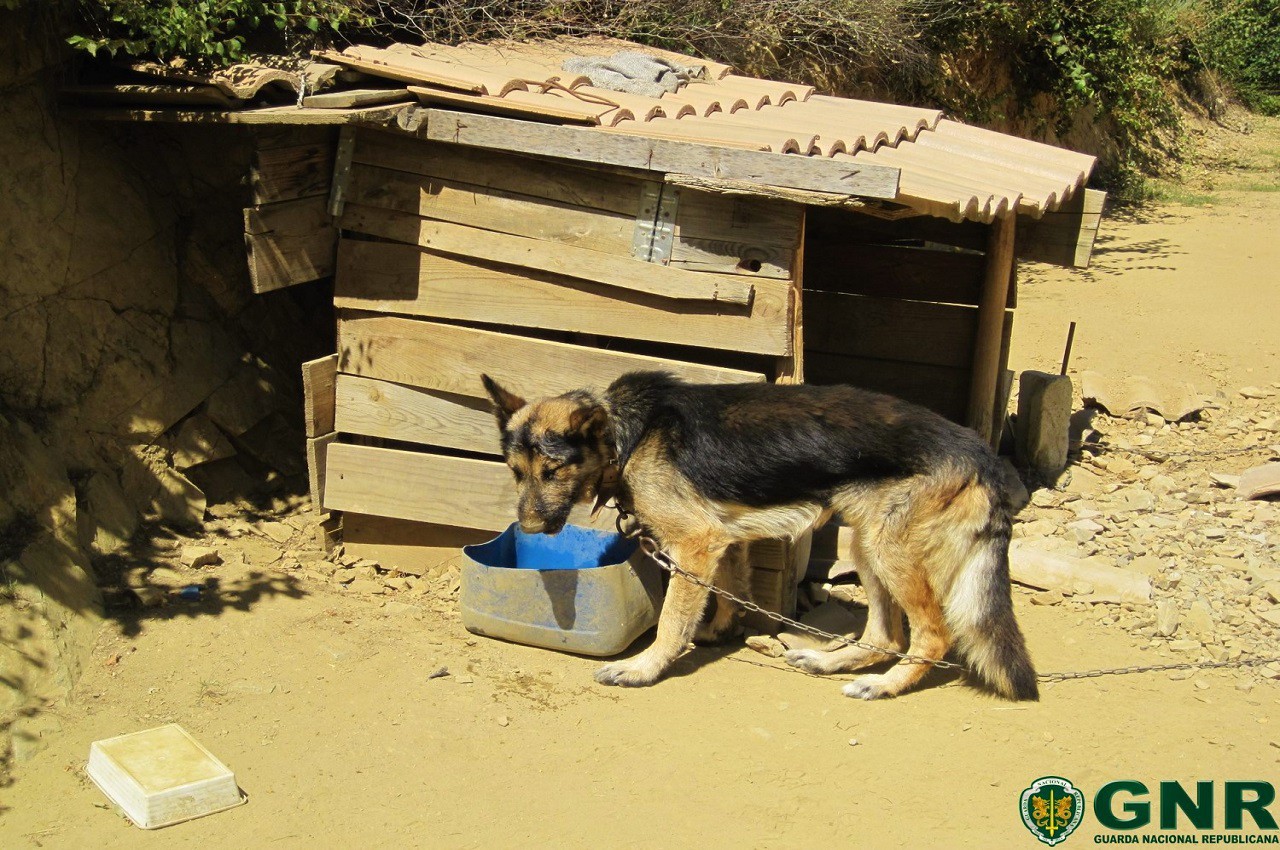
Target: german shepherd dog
<point x="708" y="468"/>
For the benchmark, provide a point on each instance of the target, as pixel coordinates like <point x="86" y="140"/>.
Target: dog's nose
<point x="531" y="527"/>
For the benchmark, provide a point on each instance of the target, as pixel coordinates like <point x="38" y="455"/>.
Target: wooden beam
<point x="451" y="359"/>
<point x="986" y="368"/>
<point x="317" y="450"/>
<point x="659" y="155"/>
<point x="393" y="411"/>
<point x="942" y="389"/>
<point x="265" y="115"/>
<point x="284" y="174"/>
<point x="891" y="329"/>
<point x="289" y="243"/>
<point x="392" y="278"/>
<point x="624" y="273"/>
<point x="415" y="548"/>
<point x="318" y="394"/>
<point x="356" y="98"/>
<point x="422" y="487"/>
<point x="1064" y="237"/>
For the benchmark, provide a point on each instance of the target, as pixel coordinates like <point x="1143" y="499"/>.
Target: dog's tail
<point x="979" y="612"/>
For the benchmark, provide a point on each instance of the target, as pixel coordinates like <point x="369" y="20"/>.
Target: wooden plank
<point x="317" y="450"/>
<point x="492" y="209"/>
<point x="265" y="115"/>
<point x="478" y="494"/>
<point x="702" y="215"/>
<point x="1066" y="236"/>
<point x="341" y="171"/>
<point x="451" y="359"/>
<point x="890" y="329"/>
<point x="289" y="243"/>
<point x="385" y="277"/>
<point x="329" y="532"/>
<point x="284" y="174"/>
<point x="713" y="233"/>
<point x="985" y="371"/>
<point x="624" y="273"/>
<point x="318" y="394"/>
<point x="856" y="226"/>
<point x="942" y="389"/>
<point x="415" y="548"/>
<point x="355" y="98"/>
<point x="894" y="272"/>
<point x="658" y="155"/>
<point x="533" y="107"/>
<point x="397" y="412"/>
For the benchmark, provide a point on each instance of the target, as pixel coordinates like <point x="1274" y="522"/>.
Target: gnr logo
<point x="1127" y="804"/>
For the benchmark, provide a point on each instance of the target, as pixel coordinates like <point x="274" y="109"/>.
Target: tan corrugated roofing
<point x="948" y="169"/>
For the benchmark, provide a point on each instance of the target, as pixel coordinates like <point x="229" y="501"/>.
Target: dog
<point x="706" y="469"/>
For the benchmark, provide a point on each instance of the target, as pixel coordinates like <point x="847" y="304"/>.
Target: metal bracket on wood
<point x="655" y="231"/>
<point x="341" y="170"/>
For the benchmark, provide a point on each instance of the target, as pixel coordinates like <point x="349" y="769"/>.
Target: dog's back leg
<point x="884" y="628"/>
<point x="681" y="612"/>
<point x="734" y="576"/>
<point x="929" y="635"/>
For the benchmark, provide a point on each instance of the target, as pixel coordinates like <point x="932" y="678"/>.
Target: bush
<point x="1240" y="40"/>
<point x="216" y="31"/>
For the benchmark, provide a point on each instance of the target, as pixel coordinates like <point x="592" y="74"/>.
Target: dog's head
<point x="558" y="449"/>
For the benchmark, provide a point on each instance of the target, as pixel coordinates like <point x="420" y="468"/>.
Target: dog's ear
<point x="587" y="419"/>
<point x="504" y="403"/>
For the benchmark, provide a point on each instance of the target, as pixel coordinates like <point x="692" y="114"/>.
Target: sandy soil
<point x="322" y="703"/>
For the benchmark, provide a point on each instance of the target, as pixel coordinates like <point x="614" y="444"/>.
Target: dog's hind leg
<point x="884" y="629"/>
<point x="732" y="575"/>
<point x="681" y="612"/>
<point x="930" y="638"/>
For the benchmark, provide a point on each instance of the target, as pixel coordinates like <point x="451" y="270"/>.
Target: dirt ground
<point x="322" y="701"/>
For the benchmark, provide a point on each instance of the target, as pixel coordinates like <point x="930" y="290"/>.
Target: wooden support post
<point x="991" y="318"/>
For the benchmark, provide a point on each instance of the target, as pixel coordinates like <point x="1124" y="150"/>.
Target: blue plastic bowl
<point x="584" y="591"/>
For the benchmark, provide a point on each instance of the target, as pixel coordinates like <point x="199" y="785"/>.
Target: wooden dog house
<point x="501" y="215"/>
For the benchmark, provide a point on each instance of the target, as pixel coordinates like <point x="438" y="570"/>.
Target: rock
<point x="364" y="585"/>
<point x="344" y="576"/>
<point x="1043" y="424"/>
<point x="200" y="556"/>
<point x="1214" y="533"/>
<point x="1200" y="618"/>
<point x="199" y="441"/>
<point x="1148" y="565"/>
<point x="278" y="531"/>
<point x="1185" y="645"/>
<point x="504" y="721"/>
<point x="246" y="399"/>
<point x="1047" y="597"/>
<point x="1046" y="498"/>
<point x="178" y="502"/>
<point x="1167" y="617"/>
<point x="402" y="609"/>
<point x="106" y="518"/>
<point x="1272" y="591"/>
<point x="1134" y="499"/>
<point x="1223" y="479"/>
<point x="1162" y="485"/>
<point x="1018" y="496"/>
<point x="1082" y="588"/>
<point x="1255" y="392"/>
<point x="1084" y="530"/>
<point x="1272" y="617"/>
<point x="766" y="645"/>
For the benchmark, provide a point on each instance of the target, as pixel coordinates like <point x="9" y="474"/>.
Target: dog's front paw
<point x="867" y="687"/>
<point x="808" y="660"/>
<point x="635" y="673"/>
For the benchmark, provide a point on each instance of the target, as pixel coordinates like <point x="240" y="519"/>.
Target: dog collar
<point x="607" y="486"/>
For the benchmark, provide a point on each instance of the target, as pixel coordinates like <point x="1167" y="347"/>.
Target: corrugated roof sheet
<point x="947" y="169"/>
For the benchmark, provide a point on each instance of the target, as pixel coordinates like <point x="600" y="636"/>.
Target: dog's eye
<point x="549" y="472"/>
<point x="519" y="475"/>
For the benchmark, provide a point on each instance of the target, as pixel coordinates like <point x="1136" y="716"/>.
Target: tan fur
<point x="916" y="543"/>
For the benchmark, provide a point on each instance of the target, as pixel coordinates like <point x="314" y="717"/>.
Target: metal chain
<point x="629" y="527"/>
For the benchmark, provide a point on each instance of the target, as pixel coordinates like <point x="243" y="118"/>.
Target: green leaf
<point x="313" y="23"/>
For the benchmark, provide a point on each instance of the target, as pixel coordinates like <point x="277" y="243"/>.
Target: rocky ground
<point x="1159" y="498"/>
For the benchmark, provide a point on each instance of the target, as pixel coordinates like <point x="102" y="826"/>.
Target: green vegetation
<point x="219" y="31"/>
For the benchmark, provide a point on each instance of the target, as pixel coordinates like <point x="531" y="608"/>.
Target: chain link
<point x="629" y="527"/>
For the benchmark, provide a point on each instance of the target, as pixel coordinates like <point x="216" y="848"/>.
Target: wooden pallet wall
<point x="892" y="306"/>
<point x="455" y="262"/>
<point x="289" y="235"/>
